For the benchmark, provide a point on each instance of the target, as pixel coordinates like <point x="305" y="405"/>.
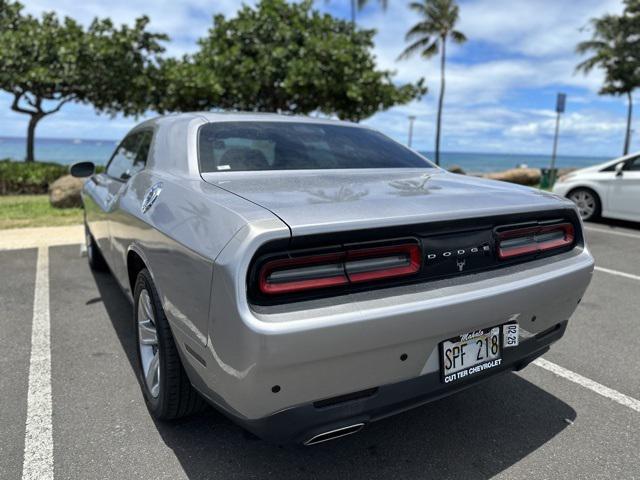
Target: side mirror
<point x="82" y="169"/>
<point x="619" y="168"/>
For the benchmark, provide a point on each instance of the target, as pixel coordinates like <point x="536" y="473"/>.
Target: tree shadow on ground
<point x="473" y="435"/>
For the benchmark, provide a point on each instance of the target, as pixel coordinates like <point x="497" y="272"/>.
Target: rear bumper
<point x="300" y="423"/>
<point x="268" y="368"/>
<point x="258" y="363"/>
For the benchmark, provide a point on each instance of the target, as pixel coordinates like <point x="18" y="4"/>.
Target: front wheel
<point x="588" y="203"/>
<point x="165" y="385"/>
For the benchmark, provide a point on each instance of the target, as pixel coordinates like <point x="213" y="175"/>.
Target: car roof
<point x="215" y="117"/>
<point x="599" y="166"/>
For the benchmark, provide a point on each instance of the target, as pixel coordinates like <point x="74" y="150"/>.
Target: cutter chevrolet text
<point x="307" y="277"/>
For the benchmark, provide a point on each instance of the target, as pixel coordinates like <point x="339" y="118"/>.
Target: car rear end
<point x="315" y="335"/>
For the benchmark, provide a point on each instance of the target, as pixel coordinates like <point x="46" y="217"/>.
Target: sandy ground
<point x="20" y="238"/>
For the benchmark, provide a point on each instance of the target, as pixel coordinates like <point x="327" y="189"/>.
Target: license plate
<point x="470" y="354"/>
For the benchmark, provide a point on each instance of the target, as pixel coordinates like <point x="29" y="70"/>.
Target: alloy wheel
<point x="586" y="203"/>
<point x="148" y="344"/>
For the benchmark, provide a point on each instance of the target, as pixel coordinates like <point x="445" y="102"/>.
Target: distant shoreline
<point x="424" y="152"/>
<point x="67" y="151"/>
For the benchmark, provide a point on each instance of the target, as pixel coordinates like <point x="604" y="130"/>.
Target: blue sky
<point x="501" y="84"/>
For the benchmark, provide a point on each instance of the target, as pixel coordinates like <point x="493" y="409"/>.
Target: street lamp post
<point x="411" y="120"/>
<point x="561" y="100"/>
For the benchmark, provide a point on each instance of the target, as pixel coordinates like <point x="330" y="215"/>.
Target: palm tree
<point x="359" y="5"/>
<point x="615" y="51"/>
<point x="429" y="36"/>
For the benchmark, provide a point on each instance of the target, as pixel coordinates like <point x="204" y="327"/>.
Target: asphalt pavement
<point x="533" y="424"/>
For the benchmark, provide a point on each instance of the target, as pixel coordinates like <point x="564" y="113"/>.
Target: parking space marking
<point x="612" y="232"/>
<point x="618" y="273"/>
<point x="38" y="441"/>
<point x="596" y="387"/>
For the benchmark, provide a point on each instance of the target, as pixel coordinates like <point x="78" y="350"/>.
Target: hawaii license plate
<point x="475" y="352"/>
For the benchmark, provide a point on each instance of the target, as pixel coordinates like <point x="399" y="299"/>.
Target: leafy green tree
<point x="614" y="47"/>
<point x="429" y="36"/>
<point x="283" y="57"/>
<point x="46" y="63"/>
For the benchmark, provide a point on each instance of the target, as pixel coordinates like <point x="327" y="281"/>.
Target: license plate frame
<point x="475" y="368"/>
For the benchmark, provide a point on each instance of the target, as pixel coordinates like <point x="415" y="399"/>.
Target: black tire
<point x="94" y="255"/>
<point x="592" y="207"/>
<point x="176" y="397"/>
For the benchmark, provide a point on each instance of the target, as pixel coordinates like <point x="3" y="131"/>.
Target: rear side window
<point x="143" y="151"/>
<point x="242" y="146"/>
<point x="131" y="155"/>
<point x="633" y="164"/>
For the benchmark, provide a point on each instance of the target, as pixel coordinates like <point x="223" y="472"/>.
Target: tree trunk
<point x="627" y="138"/>
<point x="441" y="99"/>
<point x="31" y="132"/>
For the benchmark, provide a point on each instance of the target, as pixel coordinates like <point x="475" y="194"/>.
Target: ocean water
<point x="67" y="151"/>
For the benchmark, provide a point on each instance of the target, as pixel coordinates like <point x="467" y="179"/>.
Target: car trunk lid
<point x="317" y="201"/>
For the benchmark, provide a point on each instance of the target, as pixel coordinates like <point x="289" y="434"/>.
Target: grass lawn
<point x="34" y="211"/>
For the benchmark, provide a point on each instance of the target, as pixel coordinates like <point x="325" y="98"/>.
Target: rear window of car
<point x="246" y="146"/>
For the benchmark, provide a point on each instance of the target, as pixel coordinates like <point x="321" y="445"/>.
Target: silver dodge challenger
<point x="307" y="277"/>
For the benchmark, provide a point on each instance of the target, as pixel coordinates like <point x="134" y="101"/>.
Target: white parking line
<point x="596" y="387"/>
<point x="612" y="232"/>
<point x="38" y="438"/>
<point x="618" y="273"/>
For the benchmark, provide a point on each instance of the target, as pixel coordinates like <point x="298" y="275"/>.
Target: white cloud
<point x="533" y="28"/>
<point x="183" y="21"/>
<point x="589" y="126"/>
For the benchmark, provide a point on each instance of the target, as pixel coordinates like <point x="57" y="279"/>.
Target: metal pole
<point x="552" y="175"/>
<point x="411" y="120"/>
<point x="560" y="106"/>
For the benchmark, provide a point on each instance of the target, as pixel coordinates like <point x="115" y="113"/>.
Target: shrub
<point x="22" y="177"/>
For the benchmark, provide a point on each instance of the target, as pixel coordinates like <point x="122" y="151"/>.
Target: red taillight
<point x="289" y="275"/>
<point x="525" y="241"/>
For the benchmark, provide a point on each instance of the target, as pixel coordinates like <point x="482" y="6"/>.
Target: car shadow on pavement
<point x="613" y="224"/>
<point x="475" y="434"/>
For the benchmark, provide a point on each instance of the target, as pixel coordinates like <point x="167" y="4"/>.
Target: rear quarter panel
<point x="178" y="238"/>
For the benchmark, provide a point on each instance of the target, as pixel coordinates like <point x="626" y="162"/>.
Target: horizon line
<point x="420" y="151"/>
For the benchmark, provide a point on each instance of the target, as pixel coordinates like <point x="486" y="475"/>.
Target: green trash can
<point x="548" y="177"/>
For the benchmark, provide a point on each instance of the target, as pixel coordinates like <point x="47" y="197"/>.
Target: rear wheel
<point x="94" y="255"/>
<point x="166" y="387"/>
<point x="588" y="203"/>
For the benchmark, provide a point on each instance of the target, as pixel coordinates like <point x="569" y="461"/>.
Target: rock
<point x="65" y="192"/>
<point x="521" y="176"/>
<point x="457" y="169"/>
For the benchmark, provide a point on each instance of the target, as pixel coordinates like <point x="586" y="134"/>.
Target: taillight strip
<point x="530" y="240"/>
<point x="391" y="268"/>
<point x="267" y="285"/>
<point x="289" y="275"/>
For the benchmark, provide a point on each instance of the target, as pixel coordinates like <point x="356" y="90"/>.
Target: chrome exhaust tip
<point x="333" y="434"/>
